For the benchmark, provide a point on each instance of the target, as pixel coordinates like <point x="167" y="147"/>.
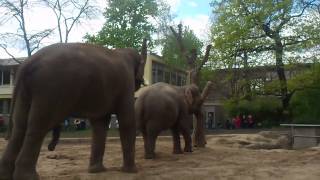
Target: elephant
<point x="162" y="106"/>
<point x="67" y="79"/>
<point x="55" y="137"/>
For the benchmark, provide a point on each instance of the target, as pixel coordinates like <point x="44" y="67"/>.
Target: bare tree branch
<point x="16" y="11"/>
<point x="81" y="9"/>
<point x="6" y="50"/>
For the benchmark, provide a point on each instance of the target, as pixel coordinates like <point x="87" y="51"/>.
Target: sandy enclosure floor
<point x="232" y="156"/>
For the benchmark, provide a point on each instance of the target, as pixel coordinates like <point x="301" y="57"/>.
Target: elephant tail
<point x="12" y="105"/>
<point x="17" y="93"/>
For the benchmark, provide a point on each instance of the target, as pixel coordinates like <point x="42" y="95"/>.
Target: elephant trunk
<point x="198" y="136"/>
<point x="205" y="91"/>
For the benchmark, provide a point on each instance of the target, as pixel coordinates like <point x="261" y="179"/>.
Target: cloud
<point x="193" y="4"/>
<point x="199" y="24"/>
<point x="174" y="4"/>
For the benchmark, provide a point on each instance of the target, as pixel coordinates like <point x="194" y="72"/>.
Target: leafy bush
<point x="265" y="110"/>
<point x="304" y="106"/>
<point x="305" y="103"/>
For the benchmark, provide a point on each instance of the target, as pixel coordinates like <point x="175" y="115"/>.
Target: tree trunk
<point x="198" y="134"/>
<point x="281" y="74"/>
<point x="247" y="89"/>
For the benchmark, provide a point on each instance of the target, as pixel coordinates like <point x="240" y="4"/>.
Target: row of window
<point x="160" y="73"/>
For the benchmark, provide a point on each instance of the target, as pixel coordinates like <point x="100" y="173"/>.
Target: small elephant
<point x="64" y="79"/>
<point x="162" y="106"/>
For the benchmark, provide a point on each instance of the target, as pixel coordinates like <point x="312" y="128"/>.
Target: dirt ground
<point x="233" y="156"/>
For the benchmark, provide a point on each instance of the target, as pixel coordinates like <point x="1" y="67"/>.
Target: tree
<point x="15" y="9"/>
<point x="273" y="26"/>
<point x="194" y="69"/>
<point x="170" y="51"/>
<point x="69" y="13"/>
<point x="306" y="99"/>
<point x="127" y="23"/>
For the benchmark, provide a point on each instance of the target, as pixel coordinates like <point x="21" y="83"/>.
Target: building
<point x="227" y="82"/>
<point x="8" y="68"/>
<point x="155" y="71"/>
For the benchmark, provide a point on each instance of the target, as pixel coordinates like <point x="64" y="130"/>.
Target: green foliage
<point x="305" y="106"/>
<point x="265" y="110"/>
<point x="252" y="26"/>
<point x="171" y="52"/>
<point x="206" y="75"/>
<point x="127" y="23"/>
<point x="305" y="103"/>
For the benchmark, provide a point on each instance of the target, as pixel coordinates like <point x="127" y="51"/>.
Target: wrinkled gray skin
<point x="67" y="79"/>
<point x="162" y="106"/>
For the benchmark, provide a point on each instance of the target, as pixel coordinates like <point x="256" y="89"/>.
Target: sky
<point x="192" y="13"/>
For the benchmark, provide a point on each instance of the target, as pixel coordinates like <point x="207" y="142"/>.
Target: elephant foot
<point x="96" y="168"/>
<point x="177" y="151"/>
<point x="52" y="146"/>
<point x="18" y="175"/>
<point x="131" y="169"/>
<point x="150" y="156"/>
<point x="5" y="172"/>
<point x="188" y="149"/>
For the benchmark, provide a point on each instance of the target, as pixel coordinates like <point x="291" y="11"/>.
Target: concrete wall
<point x="305" y="142"/>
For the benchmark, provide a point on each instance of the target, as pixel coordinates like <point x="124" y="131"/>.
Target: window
<point x="5" y="77"/>
<point x="173" y="78"/>
<point x="157" y="72"/>
<point x="179" y="80"/>
<point x="167" y="76"/>
<point x="5" y="106"/>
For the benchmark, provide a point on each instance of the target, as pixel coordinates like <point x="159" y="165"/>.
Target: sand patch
<point x="232" y="157"/>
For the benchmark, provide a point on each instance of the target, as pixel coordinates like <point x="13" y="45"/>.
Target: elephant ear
<point x="188" y="96"/>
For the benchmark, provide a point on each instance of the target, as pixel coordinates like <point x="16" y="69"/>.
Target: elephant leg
<point x="127" y="128"/>
<point x="176" y="141"/>
<point x="38" y="125"/>
<point x="186" y="133"/>
<point x="55" y="138"/>
<point x="99" y="127"/>
<point x="15" y="142"/>
<point x="151" y="137"/>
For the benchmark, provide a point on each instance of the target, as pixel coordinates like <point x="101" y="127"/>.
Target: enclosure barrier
<point x="303" y="135"/>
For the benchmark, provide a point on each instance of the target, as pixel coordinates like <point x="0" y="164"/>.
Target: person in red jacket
<point x="238" y="122"/>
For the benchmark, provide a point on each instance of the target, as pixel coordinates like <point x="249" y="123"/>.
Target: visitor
<point x="76" y="122"/>
<point x="250" y="121"/>
<point x="83" y="124"/>
<point x="227" y="124"/>
<point x="244" y="121"/>
<point x="1" y="121"/>
<point x="234" y="123"/>
<point x="238" y="122"/>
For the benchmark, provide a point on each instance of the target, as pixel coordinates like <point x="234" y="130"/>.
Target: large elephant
<point x="62" y="80"/>
<point x="162" y="106"/>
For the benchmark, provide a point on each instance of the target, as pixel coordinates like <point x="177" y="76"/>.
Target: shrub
<point x="265" y="110"/>
<point x="304" y="106"/>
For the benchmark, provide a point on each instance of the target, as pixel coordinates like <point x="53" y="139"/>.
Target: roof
<point x="11" y="61"/>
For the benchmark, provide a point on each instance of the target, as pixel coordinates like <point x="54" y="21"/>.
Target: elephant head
<point x="193" y="98"/>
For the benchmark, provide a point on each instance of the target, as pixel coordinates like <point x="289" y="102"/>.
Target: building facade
<point x="230" y="82"/>
<point x="155" y="71"/>
<point x="8" y="68"/>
